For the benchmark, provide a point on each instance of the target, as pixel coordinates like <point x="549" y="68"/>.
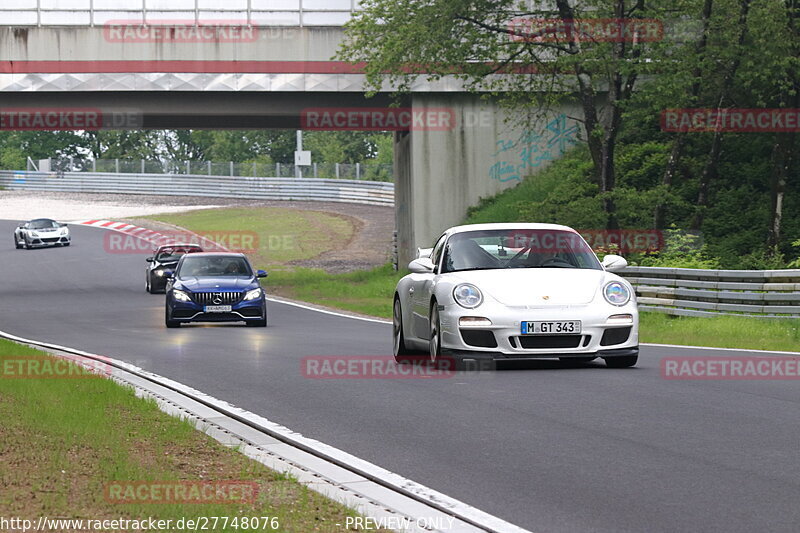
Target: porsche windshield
<point x="214" y="266"/>
<point x="499" y="249"/>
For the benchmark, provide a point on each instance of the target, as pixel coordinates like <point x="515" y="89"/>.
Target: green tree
<point x="341" y="146"/>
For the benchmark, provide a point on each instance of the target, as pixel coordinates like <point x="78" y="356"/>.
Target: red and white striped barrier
<point x="153" y="237"/>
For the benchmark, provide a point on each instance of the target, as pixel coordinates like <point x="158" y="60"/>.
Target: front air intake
<point x="216" y="298"/>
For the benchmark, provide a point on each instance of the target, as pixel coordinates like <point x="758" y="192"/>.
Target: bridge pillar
<point x="442" y="171"/>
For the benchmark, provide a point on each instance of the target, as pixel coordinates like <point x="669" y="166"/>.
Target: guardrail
<point x="696" y="292"/>
<point x="367" y="170"/>
<point x="329" y="190"/>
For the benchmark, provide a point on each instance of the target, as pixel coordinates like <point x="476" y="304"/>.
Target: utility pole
<point x="297" y="172"/>
<point x="301" y="158"/>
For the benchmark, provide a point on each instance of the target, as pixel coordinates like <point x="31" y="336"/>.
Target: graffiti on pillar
<point x="532" y="149"/>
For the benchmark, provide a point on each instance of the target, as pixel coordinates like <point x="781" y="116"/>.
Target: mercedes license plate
<point x="217" y="309"/>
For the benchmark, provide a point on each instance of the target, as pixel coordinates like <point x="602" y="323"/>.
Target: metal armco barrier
<point x="695" y="292"/>
<point x="329" y="190"/>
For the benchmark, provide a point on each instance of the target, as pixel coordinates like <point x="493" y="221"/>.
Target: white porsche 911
<point x="515" y="292"/>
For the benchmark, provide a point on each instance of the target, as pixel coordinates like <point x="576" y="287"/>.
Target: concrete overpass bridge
<point x="264" y="64"/>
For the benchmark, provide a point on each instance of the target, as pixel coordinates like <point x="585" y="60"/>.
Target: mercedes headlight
<point x="252" y="295"/>
<point x="616" y="293"/>
<point x="181" y="296"/>
<point x="468" y="295"/>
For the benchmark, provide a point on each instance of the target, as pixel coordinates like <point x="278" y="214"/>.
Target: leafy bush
<point x="681" y="250"/>
<point x="770" y="259"/>
<point x="796" y="262"/>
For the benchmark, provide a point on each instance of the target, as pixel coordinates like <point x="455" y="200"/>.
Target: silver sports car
<point x="41" y="232"/>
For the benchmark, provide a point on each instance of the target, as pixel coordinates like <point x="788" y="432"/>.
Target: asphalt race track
<point x="547" y="447"/>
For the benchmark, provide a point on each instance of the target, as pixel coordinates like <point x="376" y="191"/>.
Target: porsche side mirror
<point x="169" y="274"/>
<point x="423" y="265"/>
<point x="614" y="263"/>
<point x="150" y="259"/>
<point x="261" y="274"/>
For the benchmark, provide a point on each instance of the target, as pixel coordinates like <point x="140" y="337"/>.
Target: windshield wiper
<point x="540" y="266"/>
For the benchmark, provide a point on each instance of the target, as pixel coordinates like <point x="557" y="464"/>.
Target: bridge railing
<point x="250" y="12"/>
<point x="696" y="292"/>
<point x="341" y="190"/>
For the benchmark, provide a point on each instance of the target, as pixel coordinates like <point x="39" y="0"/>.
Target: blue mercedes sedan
<point x="215" y="287"/>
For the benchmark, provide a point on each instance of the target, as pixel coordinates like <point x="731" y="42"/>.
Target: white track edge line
<point x="714" y="348"/>
<point x="327" y="311"/>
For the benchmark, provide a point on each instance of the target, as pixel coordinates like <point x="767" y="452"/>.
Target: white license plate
<point x="217" y="309"/>
<point x="553" y="327"/>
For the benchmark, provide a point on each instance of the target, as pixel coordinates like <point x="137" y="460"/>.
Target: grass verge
<point x="284" y="234"/>
<point x="65" y="439"/>
<point x="368" y="292"/>
<point x="287" y="235"/>
<point x="721" y="332"/>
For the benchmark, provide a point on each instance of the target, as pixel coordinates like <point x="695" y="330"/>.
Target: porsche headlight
<point x="467" y="295"/>
<point x="64" y="231"/>
<point x="159" y="272"/>
<point x="181" y="296"/>
<point x="252" y="295"/>
<point x="616" y="293"/>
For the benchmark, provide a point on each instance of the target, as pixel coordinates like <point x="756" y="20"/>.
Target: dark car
<point x="41" y="232"/>
<point x="164" y="259"/>
<point x="215" y="287"/>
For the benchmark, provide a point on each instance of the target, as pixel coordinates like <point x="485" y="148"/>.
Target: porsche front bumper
<point x="600" y="335"/>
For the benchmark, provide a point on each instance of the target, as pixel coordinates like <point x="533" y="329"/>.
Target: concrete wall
<point x="82" y="43"/>
<point x="484" y="153"/>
